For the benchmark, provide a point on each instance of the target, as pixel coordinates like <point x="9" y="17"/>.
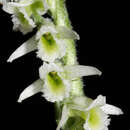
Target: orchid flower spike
<point x="60" y="75"/>
<point x="57" y="80"/>
<point x="95" y="113"/>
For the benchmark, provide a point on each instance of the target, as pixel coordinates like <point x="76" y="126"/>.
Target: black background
<point x="103" y="31"/>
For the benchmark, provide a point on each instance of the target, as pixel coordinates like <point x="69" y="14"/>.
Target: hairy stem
<point x="62" y="19"/>
<point x="60" y="15"/>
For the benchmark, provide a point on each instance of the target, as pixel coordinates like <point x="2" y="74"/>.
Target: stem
<point x="59" y="13"/>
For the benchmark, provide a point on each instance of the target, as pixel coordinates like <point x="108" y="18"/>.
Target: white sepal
<point x="46" y="68"/>
<point x="75" y="71"/>
<point x="66" y="33"/>
<point x="112" y="110"/>
<point x="25" y="48"/>
<point x="31" y="90"/>
<point x="57" y="53"/>
<point x="99" y="101"/>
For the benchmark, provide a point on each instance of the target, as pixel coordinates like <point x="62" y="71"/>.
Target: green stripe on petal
<point x="75" y="71"/>
<point x="95" y="121"/>
<point x="49" y="44"/>
<point x="22" y="19"/>
<point x="55" y="83"/>
<point x="66" y="33"/>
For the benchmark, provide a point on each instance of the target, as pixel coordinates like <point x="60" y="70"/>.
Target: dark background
<point x="103" y="31"/>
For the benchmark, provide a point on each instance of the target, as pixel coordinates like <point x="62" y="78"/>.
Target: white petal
<point x="43" y="55"/>
<point x="46" y="68"/>
<point x="112" y="110"/>
<point x="47" y="92"/>
<point x="51" y="57"/>
<point x="25" y="48"/>
<point x="54" y="97"/>
<point x="99" y="101"/>
<point x="46" y="29"/>
<point x="31" y="90"/>
<point x="80" y="70"/>
<point x="64" y="117"/>
<point x="66" y="33"/>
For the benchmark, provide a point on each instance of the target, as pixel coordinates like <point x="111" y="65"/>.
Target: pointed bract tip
<point x="121" y="112"/>
<point x="100" y="73"/>
<point x="19" y="100"/>
<point x="9" y="60"/>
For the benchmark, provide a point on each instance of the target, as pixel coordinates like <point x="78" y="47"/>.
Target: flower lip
<point x="55" y="87"/>
<point x="50" y="48"/>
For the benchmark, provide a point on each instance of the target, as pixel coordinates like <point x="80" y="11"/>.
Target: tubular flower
<point x="47" y="41"/>
<point x="55" y="87"/>
<point x="57" y="80"/>
<point x="50" y="45"/>
<point x="95" y="113"/>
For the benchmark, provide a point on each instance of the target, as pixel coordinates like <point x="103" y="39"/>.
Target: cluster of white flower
<point x="56" y="79"/>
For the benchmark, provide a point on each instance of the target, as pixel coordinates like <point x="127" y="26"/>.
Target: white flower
<point x="24" y="13"/>
<point x="55" y="87"/>
<point x="46" y="42"/>
<point x="57" y="80"/>
<point x="51" y="45"/>
<point x="94" y="112"/>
